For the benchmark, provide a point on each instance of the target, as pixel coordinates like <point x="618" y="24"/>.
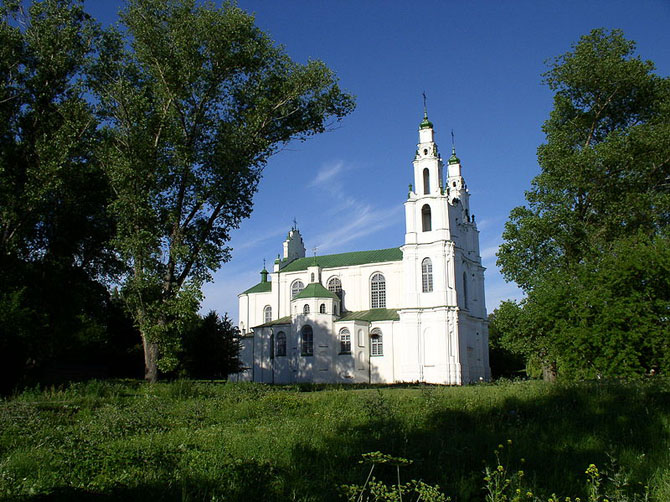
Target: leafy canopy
<point x="590" y="247"/>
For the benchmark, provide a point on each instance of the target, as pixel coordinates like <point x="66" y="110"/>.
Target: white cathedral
<point x="410" y="314"/>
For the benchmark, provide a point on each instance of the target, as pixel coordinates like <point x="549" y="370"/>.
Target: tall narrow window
<point x="322" y="308"/>
<point x="425" y="218"/>
<point x="281" y="344"/>
<point x="305" y="309"/>
<point x="345" y="341"/>
<point x="335" y="286"/>
<point x="426" y="275"/>
<point x="465" y="290"/>
<point x="307" y="335"/>
<point x="378" y="292"/>
<point x="296" y="288"/>
<point x="272" y="346"/>
<point x="267" y="314"/>
<point x="426" y="181"/>
<point x="376" y="343"/>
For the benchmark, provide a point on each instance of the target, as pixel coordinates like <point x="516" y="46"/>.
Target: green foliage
<point x="55" y="253"/>
<point x="590" y="248"/>
<point x="194" y="105"/>
<point x="211" y="348"/>
<point x="189" y="440"/>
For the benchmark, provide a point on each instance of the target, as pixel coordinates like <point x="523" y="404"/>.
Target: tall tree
<point x="195" y="100"/>
<point x="54" y="226"/>
<point x="604" y="189"/>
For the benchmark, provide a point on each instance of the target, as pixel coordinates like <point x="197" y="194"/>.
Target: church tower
<point x="443" y="275"/>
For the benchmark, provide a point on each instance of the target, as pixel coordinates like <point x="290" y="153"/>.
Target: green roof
<point x="426" y="124"/>
<point x="345" y="259"/>
<point x="315" y="290"/>
<point x="371" y="315"/>
<point x="261" y="287"/>
<point x="281" y="320"/>
<point x="453" y="159"/>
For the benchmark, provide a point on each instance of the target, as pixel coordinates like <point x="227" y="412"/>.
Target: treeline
<point x="591" y="249"/>
<point x="127" y="155"/>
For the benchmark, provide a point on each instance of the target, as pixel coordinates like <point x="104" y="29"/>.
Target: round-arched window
<point x="296" y="288"/>
<point x="378" y="291"/>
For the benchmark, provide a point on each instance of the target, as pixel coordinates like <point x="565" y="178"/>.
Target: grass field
<point x="215" y="441"/>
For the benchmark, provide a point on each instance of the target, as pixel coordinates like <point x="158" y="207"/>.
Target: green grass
<point x="214" y="441"/>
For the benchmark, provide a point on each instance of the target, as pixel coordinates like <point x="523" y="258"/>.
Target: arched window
<point x="272" y="346"/>
<point x="322" y="308"/>
<point x="311" y="277"/>
<point x="305" y="309"/>
<point x="335" y="286"/>
<point x="378" y="291"/>
<point x="307" y="339"/>
<point x="296" y="288"/>
<point x="267" y="314"/>
<point x="465" y="290"/>
<point x="281" y="344"/>
<point x="345" y="341"/>
<point x="376" y="343"/>
<point x="426" y="181"/>
<point x="426" y="275"/>
<point x="425" y="218"/>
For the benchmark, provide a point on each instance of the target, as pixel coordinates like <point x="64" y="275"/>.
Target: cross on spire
<point x="295" y="224"/>
<point x="425" y="109"/>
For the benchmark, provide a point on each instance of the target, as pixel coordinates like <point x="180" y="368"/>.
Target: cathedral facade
<point x="415" y="313"/>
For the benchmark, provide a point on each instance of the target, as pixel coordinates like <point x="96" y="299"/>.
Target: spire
<point x="453" y="159"/>
<point x="425" y="123"/>
<point x="264" y="273"/>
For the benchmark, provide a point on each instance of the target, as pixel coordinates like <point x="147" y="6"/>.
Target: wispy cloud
<point x="327" y="174"/>
<point x="252" y="243"/>
<point x="489" y="222"/>
<point x="489" y="252"/>
<point x="366" y="221"/>
<point x="497" y="290"/>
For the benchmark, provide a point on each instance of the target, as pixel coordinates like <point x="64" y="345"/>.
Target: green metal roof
<point x="371" y="315"/>
<point x="315" y="290"/>
<point x="345" y="259"/>
<point x="281" y="320"/>
<point x="261" y="287"/>
<point x="453" y="159"/>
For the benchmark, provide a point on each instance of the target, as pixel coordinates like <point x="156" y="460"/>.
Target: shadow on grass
<point x="448" y="433"/>
<point x="558" y="435"/>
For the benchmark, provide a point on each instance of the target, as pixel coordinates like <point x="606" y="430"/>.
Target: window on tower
<point x="425" y="218"/>
<point x="465" y="290"/>
<point x="426" y="275"/>
<point x="426" y="181"/>
<point x="267" y="314"/>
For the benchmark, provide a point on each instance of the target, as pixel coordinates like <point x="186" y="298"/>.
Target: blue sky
<point x="480" y="63"/>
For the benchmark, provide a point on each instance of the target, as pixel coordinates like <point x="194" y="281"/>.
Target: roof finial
<point x="425" y="109"/>
<point x="425" y="123"/>
<point x="453" y="159"/>
<point x="295" y="224"/>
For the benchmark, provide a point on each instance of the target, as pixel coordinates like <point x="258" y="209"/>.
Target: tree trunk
<point x="549" y="371"/>
<point x="150" y="360"/>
